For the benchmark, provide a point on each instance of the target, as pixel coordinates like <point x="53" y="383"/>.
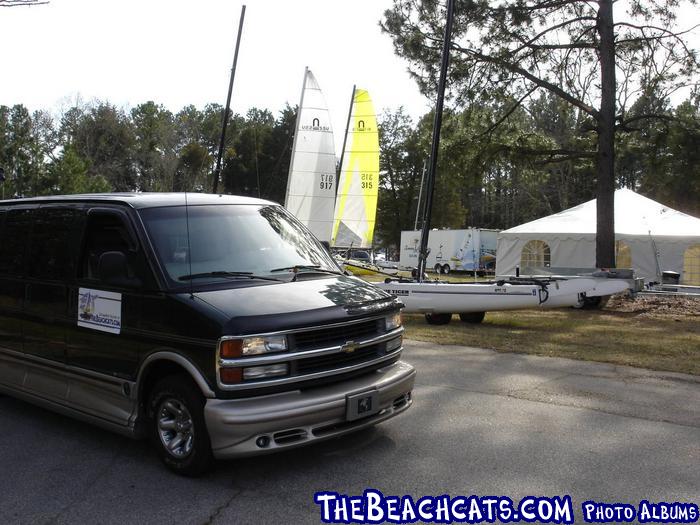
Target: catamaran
<point x="440" y="300"/>
<point x="346" y="219"/>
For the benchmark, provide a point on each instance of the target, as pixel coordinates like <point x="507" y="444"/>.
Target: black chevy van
<point x="216" y="325"/>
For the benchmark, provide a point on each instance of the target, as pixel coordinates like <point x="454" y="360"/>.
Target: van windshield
<point x="233" y="242"/>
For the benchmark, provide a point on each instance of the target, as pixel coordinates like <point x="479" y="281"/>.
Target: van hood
<point x="306" y="302"/>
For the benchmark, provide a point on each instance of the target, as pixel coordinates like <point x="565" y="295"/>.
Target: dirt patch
<point x="655" y="306"/>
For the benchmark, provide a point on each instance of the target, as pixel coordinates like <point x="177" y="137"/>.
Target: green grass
<point x="664" y="342"/>
<point x="655" y="333"/>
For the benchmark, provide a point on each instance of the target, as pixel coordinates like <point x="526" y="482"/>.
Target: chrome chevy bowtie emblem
<point x="349" y="347"/>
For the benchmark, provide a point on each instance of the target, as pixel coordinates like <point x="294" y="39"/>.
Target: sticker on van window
<point x="100" y="310"/>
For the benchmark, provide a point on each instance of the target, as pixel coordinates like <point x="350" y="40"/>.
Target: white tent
<point x="650" y="238"/>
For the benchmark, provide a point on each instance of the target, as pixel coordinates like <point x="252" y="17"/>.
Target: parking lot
<point x="482" y="423"/>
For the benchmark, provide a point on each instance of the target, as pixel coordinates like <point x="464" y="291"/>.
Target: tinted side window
<point x="13" y="241"/>
<point x="3" y="214"/>
<point x="107" y="232"/>
<point x="52" y="252"/>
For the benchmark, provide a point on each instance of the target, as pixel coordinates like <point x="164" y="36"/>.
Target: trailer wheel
<point x="472" y="317"/>
<point x="438" y="318"/>
<point x="446" y="268"/>
<point x="593" y="303"/>
<point x="437" y="268"/>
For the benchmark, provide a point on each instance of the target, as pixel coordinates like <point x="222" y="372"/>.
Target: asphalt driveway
<point x="482" y="423"/>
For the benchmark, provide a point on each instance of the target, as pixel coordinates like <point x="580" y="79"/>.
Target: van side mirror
<point x="113" y="269"/>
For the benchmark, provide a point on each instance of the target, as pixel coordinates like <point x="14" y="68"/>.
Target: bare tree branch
<point x="508" y="113"/>
<point x="532" y="78"/>
<point x="624" y="123"/>
<point x="549" y="5"/>
<point x="16" y="3"/>
<point x="667" y="34"/>
<point x="531" y="43"/>
<point x="552" y="155"/>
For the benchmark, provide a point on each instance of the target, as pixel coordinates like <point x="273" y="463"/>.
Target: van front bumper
<point x="263" y="424"/>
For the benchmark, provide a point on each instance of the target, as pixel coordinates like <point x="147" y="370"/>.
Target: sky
<point x="180" y="52"/>
<point x="177" y="52"/>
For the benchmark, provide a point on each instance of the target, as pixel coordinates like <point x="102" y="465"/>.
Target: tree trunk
<point x="605" y="213"/>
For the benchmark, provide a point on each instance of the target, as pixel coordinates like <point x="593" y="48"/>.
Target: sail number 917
<point x="327" y="182"/>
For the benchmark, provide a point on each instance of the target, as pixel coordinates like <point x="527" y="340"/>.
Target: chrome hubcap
<point x="175" y="428"/>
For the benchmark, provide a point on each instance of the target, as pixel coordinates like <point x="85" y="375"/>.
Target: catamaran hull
<point x="605" y="287"/>
<point x="435" y="298"/>
<point x="367" y="269"/>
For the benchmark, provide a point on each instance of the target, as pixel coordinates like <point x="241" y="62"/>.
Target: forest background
<point x="506" y="156"/>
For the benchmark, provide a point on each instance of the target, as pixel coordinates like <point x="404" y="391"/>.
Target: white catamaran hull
<point x="605" y="287"/>
<point x="436" y="297"/>
<point x="361" y="268"/>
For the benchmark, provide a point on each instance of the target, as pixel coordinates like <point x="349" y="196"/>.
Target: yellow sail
<point x="356" y="200"/>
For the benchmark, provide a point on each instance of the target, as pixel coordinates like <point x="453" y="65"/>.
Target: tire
<point x="414" y="274"/>
<point x="438" y="318"/>
<point x="446" y="269"/>
<point x="176" y="409"/>
<point x="593" y="303"/>
<point x="438" y="269"/>
<point x="472" y="317"/>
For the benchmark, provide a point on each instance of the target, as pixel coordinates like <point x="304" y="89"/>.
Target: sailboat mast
<point x="420" y="193"/>
<point x="217" y="170"/>
<point x="296" y="134"/>
<point x="430" y="183"/>
<point x="345" y="138"/>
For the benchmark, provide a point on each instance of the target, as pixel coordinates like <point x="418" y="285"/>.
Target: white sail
<point x="311" y="183"/>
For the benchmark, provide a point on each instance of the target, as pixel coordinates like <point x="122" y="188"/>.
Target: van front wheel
<point x="178" y="430"/>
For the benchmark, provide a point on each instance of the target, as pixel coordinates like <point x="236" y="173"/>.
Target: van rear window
<point x="52" y="252"/>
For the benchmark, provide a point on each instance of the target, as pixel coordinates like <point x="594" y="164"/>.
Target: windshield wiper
<point x="306" y="267"/>
<point x="299" y="267"/>
<point x="222" y="273"/>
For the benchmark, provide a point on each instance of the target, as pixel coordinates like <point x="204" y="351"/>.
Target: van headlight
<point x="264" y="345"/>
<point x="393" y="321"/>
<point x="248" y="346"/>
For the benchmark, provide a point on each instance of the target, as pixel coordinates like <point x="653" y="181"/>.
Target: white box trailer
<point x="451" y="250"/>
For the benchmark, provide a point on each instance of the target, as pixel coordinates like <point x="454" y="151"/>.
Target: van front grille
<point x="321" y="352"/>
<point x="327" y="362"/>
<point x="336" y="335"/>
